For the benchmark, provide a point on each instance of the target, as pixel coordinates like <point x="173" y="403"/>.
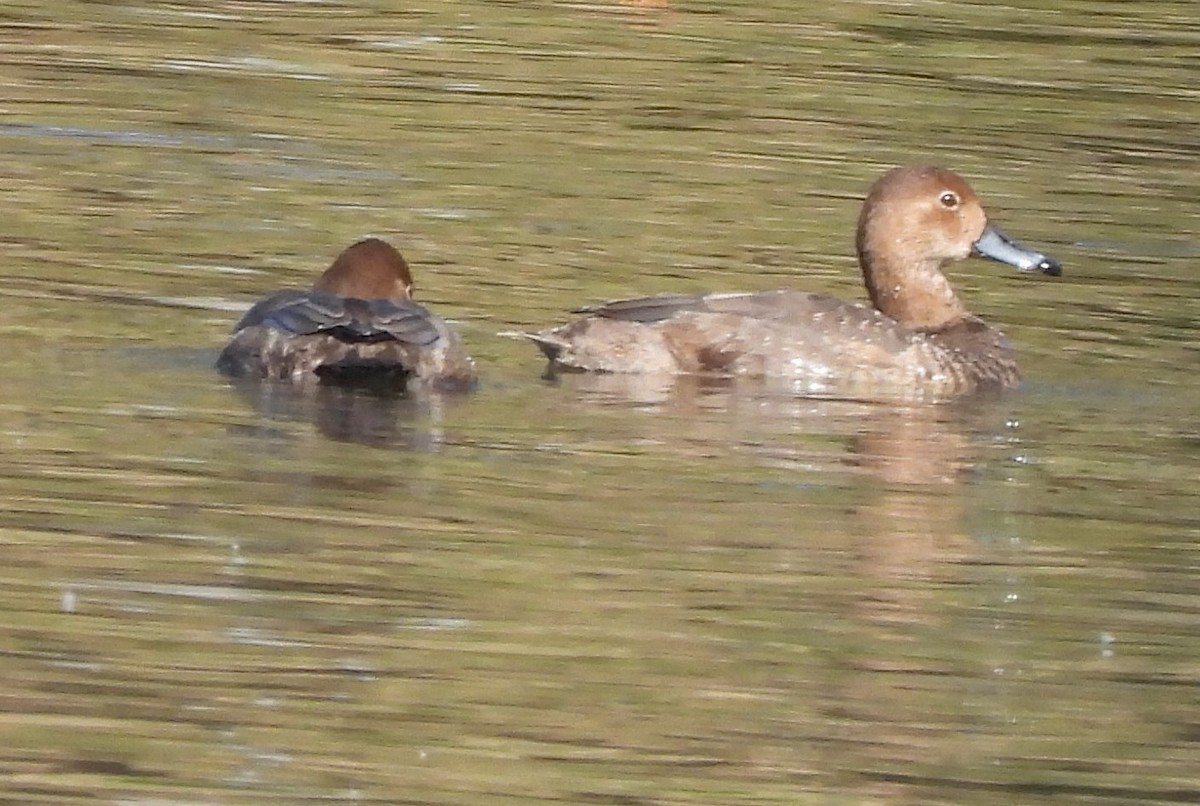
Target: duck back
<point x="817" y="344"/>
<point x="295" y="332"/>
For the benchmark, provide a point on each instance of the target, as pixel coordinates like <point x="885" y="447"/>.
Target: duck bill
<point x="996" y="245"/>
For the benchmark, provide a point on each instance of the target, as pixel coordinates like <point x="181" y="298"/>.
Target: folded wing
<point x="306" y="313"/>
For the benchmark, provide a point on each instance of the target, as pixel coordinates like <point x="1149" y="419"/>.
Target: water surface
<point x="591" y="591"/>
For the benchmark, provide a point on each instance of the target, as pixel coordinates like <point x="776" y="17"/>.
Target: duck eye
<point x="949" y="200"/>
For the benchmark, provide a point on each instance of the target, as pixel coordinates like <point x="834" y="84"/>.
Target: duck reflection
<point x="917" y="458"/>
<point x="897" y="553"/>
<point x="369" y="414"/>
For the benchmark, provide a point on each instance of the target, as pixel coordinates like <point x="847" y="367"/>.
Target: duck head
<point x="915" y="221"/>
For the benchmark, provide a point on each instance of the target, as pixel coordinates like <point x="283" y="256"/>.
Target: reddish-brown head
<point x="369" y="269"/>
<point x="914" y="221"/>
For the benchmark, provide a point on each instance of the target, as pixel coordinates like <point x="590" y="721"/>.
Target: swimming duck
<point x="357" y="323"/>
<point x="917" y="340"/>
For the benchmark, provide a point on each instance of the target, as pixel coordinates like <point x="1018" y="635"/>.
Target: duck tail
<point x="551" y="345"/>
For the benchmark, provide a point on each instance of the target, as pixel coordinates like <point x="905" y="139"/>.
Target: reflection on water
<point x="587" y="591"/>
<point x="384" y="416"/>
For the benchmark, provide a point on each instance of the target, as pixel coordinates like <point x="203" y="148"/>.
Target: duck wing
<point x="775" y="305"/>
<point x="305" y="313"/>
<point x="646" y="309"/>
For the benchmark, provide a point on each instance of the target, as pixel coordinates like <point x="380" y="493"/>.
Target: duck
<point x="915" y="339"/>
<point x="357" y="323"/>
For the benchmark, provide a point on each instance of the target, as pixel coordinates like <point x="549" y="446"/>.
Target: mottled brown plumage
<point x="917" y="341"/>
<point x="358" y="323"/>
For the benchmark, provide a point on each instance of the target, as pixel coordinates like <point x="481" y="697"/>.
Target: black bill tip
<point x="1050" y="266"/>
<point x="996" y="245"/>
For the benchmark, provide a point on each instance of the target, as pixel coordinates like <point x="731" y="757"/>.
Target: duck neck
<point x="917" y="296"/>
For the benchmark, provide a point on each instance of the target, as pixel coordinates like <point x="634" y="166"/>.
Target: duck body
<point x="813" y="344"/>
<point x="916" y="339"/>
<point x="356" y="324"/>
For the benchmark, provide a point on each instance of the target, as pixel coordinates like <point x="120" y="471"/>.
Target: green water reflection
<point x="576" y="592"/>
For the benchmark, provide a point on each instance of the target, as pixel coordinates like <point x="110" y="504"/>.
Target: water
<point x="591" y="592"/>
